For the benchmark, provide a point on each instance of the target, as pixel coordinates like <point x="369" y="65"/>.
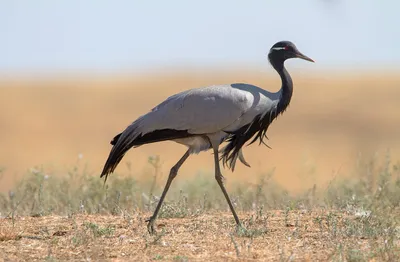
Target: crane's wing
<point x="199" y="111"/>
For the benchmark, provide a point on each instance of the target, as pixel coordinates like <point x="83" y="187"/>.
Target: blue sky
<point x="97" y="35"/>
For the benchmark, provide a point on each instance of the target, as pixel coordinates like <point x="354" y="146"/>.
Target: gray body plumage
<point x="205" y="113"/>
<point x="212" y="109"/>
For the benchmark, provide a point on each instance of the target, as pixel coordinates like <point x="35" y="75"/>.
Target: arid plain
<point x="55" y="136"/>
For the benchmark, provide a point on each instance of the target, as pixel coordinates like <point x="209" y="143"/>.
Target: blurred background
<point x="75" y="73"/>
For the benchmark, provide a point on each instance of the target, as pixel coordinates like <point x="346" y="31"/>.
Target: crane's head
<point x="283" y="50"/>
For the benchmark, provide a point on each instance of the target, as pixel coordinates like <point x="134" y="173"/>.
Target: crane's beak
<point x="300" y="55"/>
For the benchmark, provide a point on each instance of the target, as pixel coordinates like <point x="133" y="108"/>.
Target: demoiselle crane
<point x="203" y="118"/>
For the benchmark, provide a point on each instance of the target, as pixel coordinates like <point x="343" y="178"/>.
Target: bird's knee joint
<point x="173" y="172"/>
<point x="219" y="178"/>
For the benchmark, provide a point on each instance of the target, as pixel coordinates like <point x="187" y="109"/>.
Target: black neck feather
<point x="287" y="89"/>
<point x="260" y="123"/>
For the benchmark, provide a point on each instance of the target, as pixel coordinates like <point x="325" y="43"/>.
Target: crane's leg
<point x="172" y="175"/>
<point x="219" y="177"/>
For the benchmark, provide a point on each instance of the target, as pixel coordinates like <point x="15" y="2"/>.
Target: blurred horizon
<point x="329" y="124"/>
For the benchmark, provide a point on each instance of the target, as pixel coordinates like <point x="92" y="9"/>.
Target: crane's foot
<point x="150" y="225"/>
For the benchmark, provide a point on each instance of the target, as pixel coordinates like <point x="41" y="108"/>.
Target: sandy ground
<point x="276" y="236"/>
<point x="331" y="121"/>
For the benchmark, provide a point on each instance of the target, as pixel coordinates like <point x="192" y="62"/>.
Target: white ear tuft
<point x="278" y="48"/>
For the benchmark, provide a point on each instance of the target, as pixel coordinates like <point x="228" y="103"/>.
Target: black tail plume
<point x="120" y="147"/>
<point x="130" y="138"/>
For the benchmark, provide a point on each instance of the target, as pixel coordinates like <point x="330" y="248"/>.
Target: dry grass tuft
<point x="8" y="232"/>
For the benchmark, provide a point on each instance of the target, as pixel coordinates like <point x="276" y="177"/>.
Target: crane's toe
<point x="150" y="226"/>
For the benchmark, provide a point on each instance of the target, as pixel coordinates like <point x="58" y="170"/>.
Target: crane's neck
<point x="287" y="85"/>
